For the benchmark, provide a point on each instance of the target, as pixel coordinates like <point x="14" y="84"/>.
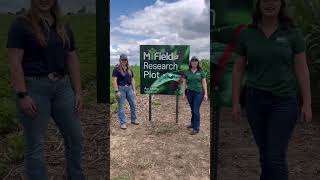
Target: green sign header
<point x="162" y="68"/>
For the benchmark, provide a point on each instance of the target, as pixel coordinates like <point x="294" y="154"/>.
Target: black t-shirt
<point x="122" y="79"/>
<point x="38" y="60"/>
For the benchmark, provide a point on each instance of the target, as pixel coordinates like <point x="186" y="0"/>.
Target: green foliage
<point x="313" y="54"/>
<point x="112" y="98"/>
<point x="156" y="103"/>
<point x="232" y="12"/>
<point x="302" y="14"/>
<point x="84" y="28"/>
<point x="8" y="120"/>
<point x="15" y="146"/>
<point x="306" y="14"/>
<point x="7" y="104"/>
<point x="114" y="108"/>
<point x="313" y="46"/>
<point x="205" y="65"/>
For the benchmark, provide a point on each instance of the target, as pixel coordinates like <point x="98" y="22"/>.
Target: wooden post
<point x="150" y="111"/>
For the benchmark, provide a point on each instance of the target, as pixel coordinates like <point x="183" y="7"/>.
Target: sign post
<point x="177" y="108"/>
<point x="162" y="70"/>
<point x="150" y="110"/>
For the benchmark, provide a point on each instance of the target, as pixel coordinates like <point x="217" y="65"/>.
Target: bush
<point x="112" y="98"/>
<point x="15" y="146"/>
<point x="313" y="54"/>
<point x="205" y="65"/>
<point x="114" y="108"/>
<point x="8" y="120"/>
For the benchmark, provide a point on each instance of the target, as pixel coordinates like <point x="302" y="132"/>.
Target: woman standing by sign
<point x="46" y="77"/>
<point x="195" y="87"/>
<point x="274" y="51"/>
<point x="124" y="87"/>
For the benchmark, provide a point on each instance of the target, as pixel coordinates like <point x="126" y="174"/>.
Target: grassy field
<point x="7" y="113"/>
<point x="84" y="28"/>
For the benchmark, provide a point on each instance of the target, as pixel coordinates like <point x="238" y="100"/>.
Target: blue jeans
<point x="272" y="120"/>
<point x="195" y="100"/>
<point x="52" y="99"/>
<point x="126" y="94"/>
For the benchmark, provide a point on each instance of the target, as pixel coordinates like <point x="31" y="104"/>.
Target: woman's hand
<point x="302" y="74"/>
<point x="205" y="97"/>
<point x="118" y="94"/>
<point x="183" y="95"/>
<point x="306" y="113"/>
<point x="134" y="93"/>
<point x="236" y="112"/>
<point x="237" y="74"/>
<point x="28" y="106"/>
<point x="78" y="103"/>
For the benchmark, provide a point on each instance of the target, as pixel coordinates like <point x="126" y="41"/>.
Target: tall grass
<point x="7" y="108"/>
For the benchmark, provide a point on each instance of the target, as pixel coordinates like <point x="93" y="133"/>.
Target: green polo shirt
<point x="271" y="60"/>
<point x="194" y="80"/>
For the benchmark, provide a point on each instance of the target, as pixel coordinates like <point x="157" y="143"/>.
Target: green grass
<point x="7" y="107"/>
<point x="84" y="28"/>
<point x="156" y="103"/>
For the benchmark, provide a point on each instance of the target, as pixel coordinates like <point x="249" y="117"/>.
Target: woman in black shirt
<point x="46" y="77"/>
<point x="125" y="89"/>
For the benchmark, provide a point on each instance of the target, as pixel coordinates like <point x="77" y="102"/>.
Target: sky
<point x="163" y="22"/>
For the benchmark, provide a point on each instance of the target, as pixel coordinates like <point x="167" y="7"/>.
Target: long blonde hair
<point x="121" y="70"/>
<point x="34" y="18"/>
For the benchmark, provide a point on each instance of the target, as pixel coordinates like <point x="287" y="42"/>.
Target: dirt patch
<point x="160" y="149"/>
<point x="238" y="153"/>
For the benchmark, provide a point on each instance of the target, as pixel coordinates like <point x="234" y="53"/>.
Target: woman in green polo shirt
<point x="195" y="87"/>
<point x="274" y="51"/>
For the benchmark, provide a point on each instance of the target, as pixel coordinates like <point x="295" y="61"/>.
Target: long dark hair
<point x="283" y="16"/>
<point x="198" y="65"/>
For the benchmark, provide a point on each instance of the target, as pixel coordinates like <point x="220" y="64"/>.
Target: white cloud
<point x="183" y="22"/>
